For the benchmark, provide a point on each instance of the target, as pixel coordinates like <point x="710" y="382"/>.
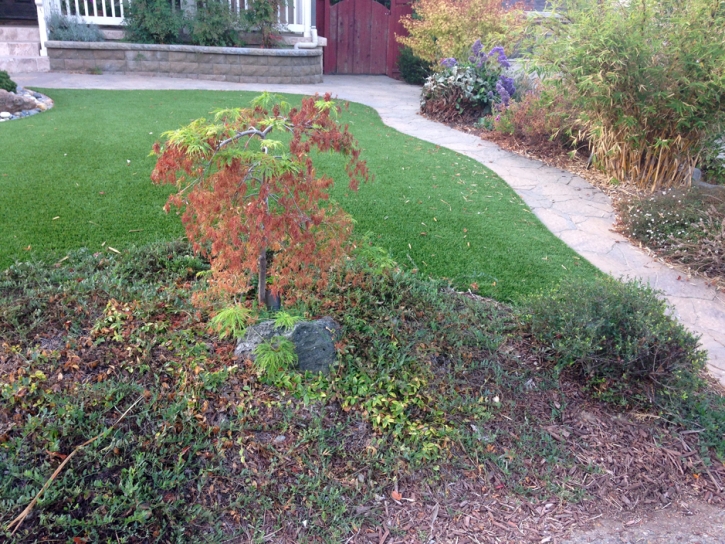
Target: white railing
<point x="296" y="16"/>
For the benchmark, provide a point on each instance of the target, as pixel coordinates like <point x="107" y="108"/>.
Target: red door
<point x="398" y="10"/>
<point x="360" y="36"/>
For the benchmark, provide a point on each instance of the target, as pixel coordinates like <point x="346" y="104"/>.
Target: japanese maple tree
<point x="254" y="205"/>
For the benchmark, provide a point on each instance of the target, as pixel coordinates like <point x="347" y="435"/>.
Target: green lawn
<point x="79" y="176"/>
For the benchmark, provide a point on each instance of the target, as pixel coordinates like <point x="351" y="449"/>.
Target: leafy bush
<point x="618" y="336"/>
<point x="215" y="24"/>
<point x="261" y="16"/>
<point x="67" y="29"/>
<point x="468" y="89"/>
<point x="446" y="28"/>
<point x="6" y="83"/>
<point x="153" y="21"/>
<point x="648" y="78"/>
<point x="413" y="70"/>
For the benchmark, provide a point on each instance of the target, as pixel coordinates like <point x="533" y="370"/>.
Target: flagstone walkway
<point x="579" y="214"/>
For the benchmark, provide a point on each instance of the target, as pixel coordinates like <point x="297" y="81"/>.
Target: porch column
<point x="42" y="27"/>
<point x="307" y="20"/>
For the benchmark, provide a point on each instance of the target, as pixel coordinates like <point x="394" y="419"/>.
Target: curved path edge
<point x="575" y="211"/>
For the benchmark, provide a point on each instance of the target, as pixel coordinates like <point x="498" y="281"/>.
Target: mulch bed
<point x="625" y="464"/>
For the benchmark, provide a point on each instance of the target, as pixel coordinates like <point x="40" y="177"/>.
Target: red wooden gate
<point x="361" y="36"/>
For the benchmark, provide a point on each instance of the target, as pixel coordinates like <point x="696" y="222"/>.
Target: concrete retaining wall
<point x="237" y="64"/>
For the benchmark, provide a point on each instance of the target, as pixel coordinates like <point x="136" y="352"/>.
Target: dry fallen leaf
<point x="396" y="496"/>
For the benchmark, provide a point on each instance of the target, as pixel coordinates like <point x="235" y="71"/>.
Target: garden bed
<point x="236" y="64"/>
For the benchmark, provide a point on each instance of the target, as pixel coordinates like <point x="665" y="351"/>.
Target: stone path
<point x="579" y="214"/>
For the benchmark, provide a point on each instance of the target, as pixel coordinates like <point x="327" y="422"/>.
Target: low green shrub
<point x="618" y="336"/>
<point x="6" y="83"/>
<point x="413" y="69"/>
<point x="67" y="29"/>
<point x="215" y="24"/>
<point x="153" y="21"/>
<point x="468" y="89"/>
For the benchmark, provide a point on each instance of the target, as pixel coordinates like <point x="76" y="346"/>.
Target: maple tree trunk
<point x="262" y="285"/>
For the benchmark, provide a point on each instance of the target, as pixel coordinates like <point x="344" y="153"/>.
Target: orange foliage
<point x="252" y="210"/>
<point x="448" y="28"/>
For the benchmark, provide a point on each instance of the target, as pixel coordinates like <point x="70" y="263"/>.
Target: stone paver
<point x="571" y="208"/>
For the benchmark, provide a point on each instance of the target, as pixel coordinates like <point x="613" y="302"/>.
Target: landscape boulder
<point x="314" y="342"/>
<point x="15" y="103"/>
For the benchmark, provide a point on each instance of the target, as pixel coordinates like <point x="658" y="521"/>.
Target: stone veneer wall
<point x="237" y="64"/>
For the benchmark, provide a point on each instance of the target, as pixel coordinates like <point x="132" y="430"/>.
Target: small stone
<point x="314" y="342"/>
<point x="5" y="114"/>
<point x="696" y="174"/>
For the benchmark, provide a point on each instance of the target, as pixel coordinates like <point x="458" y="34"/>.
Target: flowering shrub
<point x="468" y="89"/>
<point x="648" y="78"/>
<point x="446" y="28"/>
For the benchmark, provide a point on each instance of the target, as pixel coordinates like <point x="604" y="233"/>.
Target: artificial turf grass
<point x="66" y="182"/>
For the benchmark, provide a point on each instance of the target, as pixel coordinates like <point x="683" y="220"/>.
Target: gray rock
<point x="314" y="342"/>
<point x="15" y="103"/>
<point x="696" y="174"/>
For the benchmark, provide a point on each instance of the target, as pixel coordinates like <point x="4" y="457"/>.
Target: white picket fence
<point x="295" y="17"/>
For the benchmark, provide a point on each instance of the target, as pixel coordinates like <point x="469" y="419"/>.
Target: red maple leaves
<point x="255" y="206"/>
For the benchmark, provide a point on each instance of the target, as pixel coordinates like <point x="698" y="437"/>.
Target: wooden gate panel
<point x="398" y="10"/>
<point x="360" y="35"/>
<point x="379" y="39"/>
<point x="361" y="50"/>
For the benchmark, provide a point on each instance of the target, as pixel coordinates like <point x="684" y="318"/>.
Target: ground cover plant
<point x="435" y="211"/>
<point x="439" y="403"/>
<point x="686" y="227"/>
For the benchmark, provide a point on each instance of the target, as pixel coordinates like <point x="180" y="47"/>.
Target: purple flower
<point x="502" y="93"/>
<point x="477" y="47"/>
<point x="508" y="84"/>
<point x="502" y="59"/>
<point x="449" y="62"/>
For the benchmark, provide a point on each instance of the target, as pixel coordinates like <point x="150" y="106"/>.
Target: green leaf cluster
<point x="6" y="83"/>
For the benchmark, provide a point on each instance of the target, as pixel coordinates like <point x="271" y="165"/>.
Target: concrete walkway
<point x="579" y="214"/>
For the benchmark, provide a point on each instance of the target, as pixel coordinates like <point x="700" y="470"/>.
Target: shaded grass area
<point x="66" y="182"/>
<point x="437" y="397"/>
